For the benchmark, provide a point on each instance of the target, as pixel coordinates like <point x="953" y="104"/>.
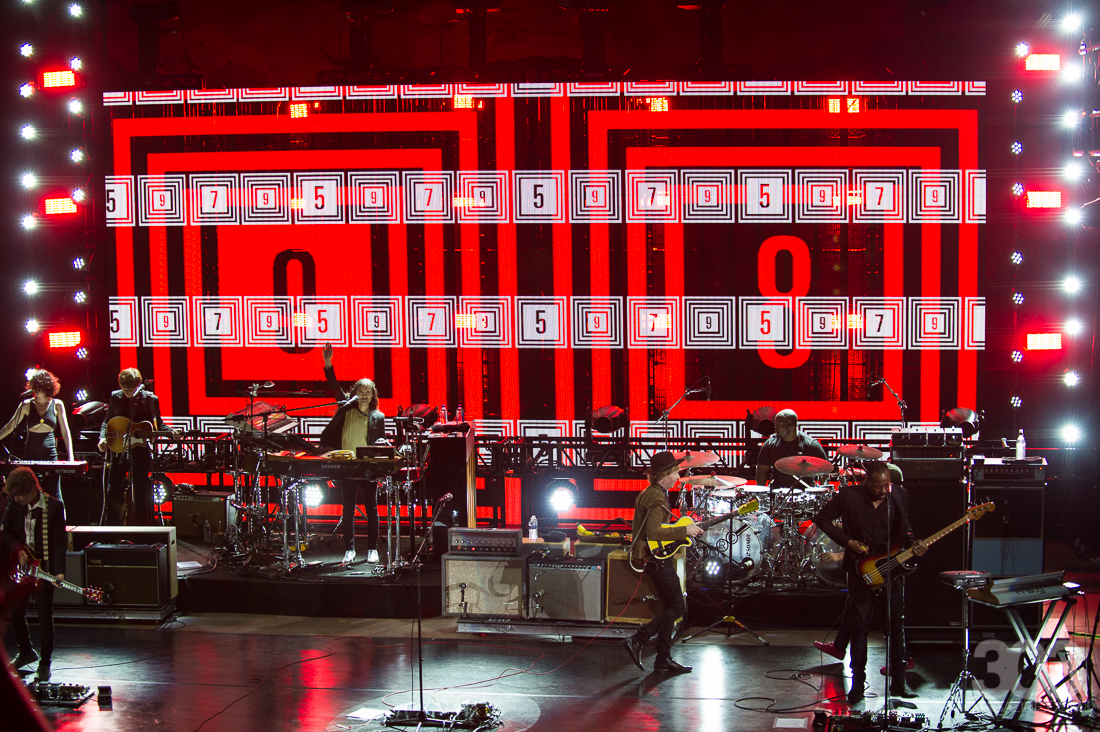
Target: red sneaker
<point x="829" y="649"/>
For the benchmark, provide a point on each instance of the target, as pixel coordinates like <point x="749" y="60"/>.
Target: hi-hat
<point x="715" y="481"/>
<point x="695" y="459"/>
<point x="803" y="466"/>
<point x="859" y="452"/>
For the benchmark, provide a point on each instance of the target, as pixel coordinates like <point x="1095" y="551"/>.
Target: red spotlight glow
<point x="58" y="79"/>
<point x="1044" y="199"/>
<point x="1044" y="341"/>
<point x="65" y="339"/>
<point x="56" y="206"/>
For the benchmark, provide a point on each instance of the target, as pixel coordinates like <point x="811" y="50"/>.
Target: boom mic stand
<point x="692" y="390"/>
<point x="902" y="406"/>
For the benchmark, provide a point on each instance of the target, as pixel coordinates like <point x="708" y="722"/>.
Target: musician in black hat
<point x="875" y="515"/>
<point x="36" y="520"/>
<point x="651" y="510"/>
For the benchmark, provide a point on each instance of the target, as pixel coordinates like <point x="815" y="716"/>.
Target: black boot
<point x="855" y="694"/>
<point x="899" y="688"/>
<point x="634" y="645"/>
<point x="669" y="664"/>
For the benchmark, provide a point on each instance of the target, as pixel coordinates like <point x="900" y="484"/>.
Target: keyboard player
<point x="41" y="420"/>
<point x="357" y="423"/>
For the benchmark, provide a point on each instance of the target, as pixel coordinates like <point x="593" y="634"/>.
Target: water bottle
<point x="1021" y="446"/>
<point x="207" y="532"/>
<point x="533" y="528"/>
<point x="442" y="413"/>
<point x="460" y="414"/>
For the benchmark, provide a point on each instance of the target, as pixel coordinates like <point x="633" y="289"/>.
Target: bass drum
<point x="826" y="557"/>
<point x="745" y="541"/>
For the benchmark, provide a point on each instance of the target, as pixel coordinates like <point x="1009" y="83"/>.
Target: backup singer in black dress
<point x="137" y="404"/>
<point x="41" y="419"/>
<point x="357" y="423"/>
<point x="875" y="515"/>
<point x="36" y="520"/>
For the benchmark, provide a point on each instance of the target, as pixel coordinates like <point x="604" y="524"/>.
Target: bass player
<point x="875" y="515"/>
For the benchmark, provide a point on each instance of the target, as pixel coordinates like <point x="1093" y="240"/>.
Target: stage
<point x="261" y="672"/>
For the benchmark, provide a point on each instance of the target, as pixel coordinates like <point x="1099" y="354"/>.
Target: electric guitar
<point x="875" y="569"/>
<point x="665" y="549"/>
<point x="121" y="432"/>
<point x="27" y="569"/>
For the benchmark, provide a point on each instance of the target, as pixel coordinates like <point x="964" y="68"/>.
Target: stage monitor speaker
<point x="484" y="587"/>
<point x="1009" y="541"/>
<point x="929" y="603"/>
<point x="82" y="536"/>
<point x="627" y="600"/>
<point x="451" y="464"/>
<point x="74" y="572"/>
<point x="190" y="512"/>
<point x="565" y="590"/>
<point x="134" y="575"/>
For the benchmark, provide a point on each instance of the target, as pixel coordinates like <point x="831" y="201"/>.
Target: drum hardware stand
<point x="956" y="700"/>
<point x="289" y="510"/>
<point x="394" y="562"/>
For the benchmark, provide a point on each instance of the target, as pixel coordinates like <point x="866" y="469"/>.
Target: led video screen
<point x="536" y="251"/>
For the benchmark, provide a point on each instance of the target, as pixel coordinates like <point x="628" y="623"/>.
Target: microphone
<point x="877" y="380"/>
<point x="267" y="384"/>
<point x="27" y="393"/>
<point x="446" y="497"/>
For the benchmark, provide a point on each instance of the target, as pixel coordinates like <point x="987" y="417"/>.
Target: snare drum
<point x="743" y="540"/>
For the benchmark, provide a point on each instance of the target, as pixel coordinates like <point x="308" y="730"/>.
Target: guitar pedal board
<point x="59" y="695"/>
<point x="864" y="721"/>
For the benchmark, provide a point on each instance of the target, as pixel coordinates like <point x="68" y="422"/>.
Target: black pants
<point x="43" y="598"/>
<point x="663" y="572"/>
<point x="349" y="489"/>
<point x="138" y="463"/>
<point x="49" y="483"/>
<point x="865" y="605"/>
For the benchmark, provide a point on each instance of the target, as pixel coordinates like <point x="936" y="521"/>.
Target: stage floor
<point x="245" y="673"/>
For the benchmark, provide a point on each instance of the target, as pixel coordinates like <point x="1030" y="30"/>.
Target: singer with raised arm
<point x="130" y="458"/>
<point x="41" y="419"/>
<point x="357" y="423"/>
<point x="788" y="440"/>
<point x="651" y="510"/>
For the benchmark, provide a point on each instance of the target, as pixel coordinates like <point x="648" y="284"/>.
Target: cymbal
<point x="696" y="459"/>
<point x="731" y="493"/>
<point x="859" y="452"/>
<point x="803" y="466"/>
<point x="715" y="481"/>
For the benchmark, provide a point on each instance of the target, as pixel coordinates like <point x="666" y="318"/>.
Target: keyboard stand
<point x="1035" y="657"/>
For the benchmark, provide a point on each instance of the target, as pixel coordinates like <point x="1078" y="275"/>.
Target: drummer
<point x="787" y="441"/>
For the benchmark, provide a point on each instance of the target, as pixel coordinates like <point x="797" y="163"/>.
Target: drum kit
<point x="778" y="546"/>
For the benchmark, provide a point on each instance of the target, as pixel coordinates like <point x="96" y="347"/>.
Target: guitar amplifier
<point x="1009" y="471"/>
<point x="131" y="574"/>
<point x="82" y="536"/>
<point x="191" y="511"/>
<point x="623" y="584"/>
<point x="74" y="572"/>
<point x="484" y="586"/>
<point x="484" y="541"/>
<point x="565" y="590"/>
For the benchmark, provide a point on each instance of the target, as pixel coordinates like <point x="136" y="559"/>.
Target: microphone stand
<point x="664" y="414"/>
<point x="417" y="561"/>
<point x="901" y="402"/>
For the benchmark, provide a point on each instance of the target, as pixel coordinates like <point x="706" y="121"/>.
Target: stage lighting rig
<point x="148" y="17"/>
<point x="609" y="419"/>
<point x="967" y="419"/>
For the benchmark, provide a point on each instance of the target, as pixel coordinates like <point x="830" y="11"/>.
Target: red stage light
<point x="1043" y="62"/>
<point x="65" y="339"/>
<point x="1044" y="199"/>
<point x="58" y="79"/>
<point x="1044" y="341"/>
<point x="55" y="206"/>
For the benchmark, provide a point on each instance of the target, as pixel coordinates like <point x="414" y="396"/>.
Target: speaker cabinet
<point x="191" y="512"/>
<point x="929" y="602"/>
<point x="132" y="575"/>
<point x="623" y="584"/>
<point x="451" y="470"/>
<point x="74" y="572"/>
<point x="565" y="590"/>
<point x="484" y="587"/>
<point x="82" y="536"/>
<point x="1009" y="541"/>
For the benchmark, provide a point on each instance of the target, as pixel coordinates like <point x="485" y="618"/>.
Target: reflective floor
<point x="241" y="673"/>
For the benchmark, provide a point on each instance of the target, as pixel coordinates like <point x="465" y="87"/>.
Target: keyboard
<point x="321" y="467"/>
<point x="48" y="467"/>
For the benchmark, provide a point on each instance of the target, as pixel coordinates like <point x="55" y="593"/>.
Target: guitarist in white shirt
<point x="36" y="520"/>
<point x="875" y="514"/>
<point x="651" y="510"/>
